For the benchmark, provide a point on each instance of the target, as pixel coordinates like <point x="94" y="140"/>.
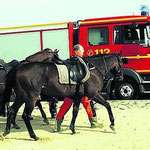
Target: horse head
<point x="56" y="53"/>
<point x="56" y="58"/>
<point x="47" y="55"/>
<point x="117" y="67"/>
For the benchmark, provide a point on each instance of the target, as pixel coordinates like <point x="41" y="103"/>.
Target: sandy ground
<point x="132" y="119"/>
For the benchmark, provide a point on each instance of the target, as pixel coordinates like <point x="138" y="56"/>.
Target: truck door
<point x="132" y="40"/>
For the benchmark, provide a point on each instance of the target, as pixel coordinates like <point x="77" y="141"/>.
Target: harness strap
<point x="77" y="89"/>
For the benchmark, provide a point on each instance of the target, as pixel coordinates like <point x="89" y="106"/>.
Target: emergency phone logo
<point x="90" y="52"/>
<point x="98" y="51"/>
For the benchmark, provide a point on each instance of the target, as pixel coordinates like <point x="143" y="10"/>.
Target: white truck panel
<point x="20" y="42"/>
<point x="57" y="39"/>
<point x="18" y="46"/>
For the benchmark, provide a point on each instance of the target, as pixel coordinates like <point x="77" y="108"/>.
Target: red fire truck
<point x="131" y="34"/>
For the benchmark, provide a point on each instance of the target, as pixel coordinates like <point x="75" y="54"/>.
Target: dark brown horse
<point x="4" y="69"/>
<point x="31" y="78"/>
<point x="42" y="56"/>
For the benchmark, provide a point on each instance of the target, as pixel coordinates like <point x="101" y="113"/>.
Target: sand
<point x="132" y="130"/>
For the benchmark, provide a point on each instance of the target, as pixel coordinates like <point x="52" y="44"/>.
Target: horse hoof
<point x="31" y="118"/>
<point x="46" y="121"/>
<point x="16" y="126"/>
<point x="5" y="133"/>
<point x="53" y="116"/>
<point x="112" y="127"/>
<point x="72" y="129"/>
<point x="73" y="132"/>
<point x="1" y="137"/>
<point x="36" y="138"/>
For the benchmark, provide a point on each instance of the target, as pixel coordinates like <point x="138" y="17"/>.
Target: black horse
<point x="4" y="69"/>
<point x="32" y="78"/>
<point x="47" y="55"/>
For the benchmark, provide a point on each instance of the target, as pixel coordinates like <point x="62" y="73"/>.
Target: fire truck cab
<point x="131" y="34"/>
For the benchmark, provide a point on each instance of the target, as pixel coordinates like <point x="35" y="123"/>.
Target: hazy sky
<point x="26" y="12"/>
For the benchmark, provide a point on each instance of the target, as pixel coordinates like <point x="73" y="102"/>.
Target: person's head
<point x="78" y="48"/>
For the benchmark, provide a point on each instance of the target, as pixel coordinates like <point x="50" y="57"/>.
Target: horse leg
<point x="93" y="108"/>
<point x="53" y="108"/>
<point x="11" y="116"/>
<point x="38" y="103"/>
<point x="74" y="115"/>
<point x="29" y="106"/>
<point x="14" y="122"/>
<point x="11" y="112"/>
<point x="99" y="99"/>
<point x="7" y="107"/>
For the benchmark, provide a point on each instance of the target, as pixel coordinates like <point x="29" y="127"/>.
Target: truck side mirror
<point x="148" y="31"/>
<point x="148" y="42"/>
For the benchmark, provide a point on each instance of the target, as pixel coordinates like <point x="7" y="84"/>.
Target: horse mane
<point x="98" y="55"/>
<point x="47" y="50"/>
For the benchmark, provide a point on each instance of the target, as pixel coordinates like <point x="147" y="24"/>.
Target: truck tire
<point x="126" y="90"/>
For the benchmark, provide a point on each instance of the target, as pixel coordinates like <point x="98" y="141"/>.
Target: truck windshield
<point x="128" y="34"/>
<point x="98" y="36"/>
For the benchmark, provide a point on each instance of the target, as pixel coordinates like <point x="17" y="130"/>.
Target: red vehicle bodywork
<point x="135" y="53"/>
<point x="129" y="34"/>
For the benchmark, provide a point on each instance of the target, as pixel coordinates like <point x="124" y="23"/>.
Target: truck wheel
<point x="127" y="89"/>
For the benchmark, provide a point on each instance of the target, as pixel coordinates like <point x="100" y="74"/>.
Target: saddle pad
<point x="63" y="74"/>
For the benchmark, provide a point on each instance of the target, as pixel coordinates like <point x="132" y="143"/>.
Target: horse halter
<point x="119" y="73"/>
<point x="95" y="67"/>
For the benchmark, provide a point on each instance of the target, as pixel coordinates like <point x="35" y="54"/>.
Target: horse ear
<point x="120" y="54"/>
<point x="115" y="52"/>
<point x="56" y="50"/>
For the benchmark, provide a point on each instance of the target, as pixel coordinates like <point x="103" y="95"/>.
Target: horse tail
<point x="10" y="82"/>
<point x="2" y="106"/>
<point x="5" y="98"/>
